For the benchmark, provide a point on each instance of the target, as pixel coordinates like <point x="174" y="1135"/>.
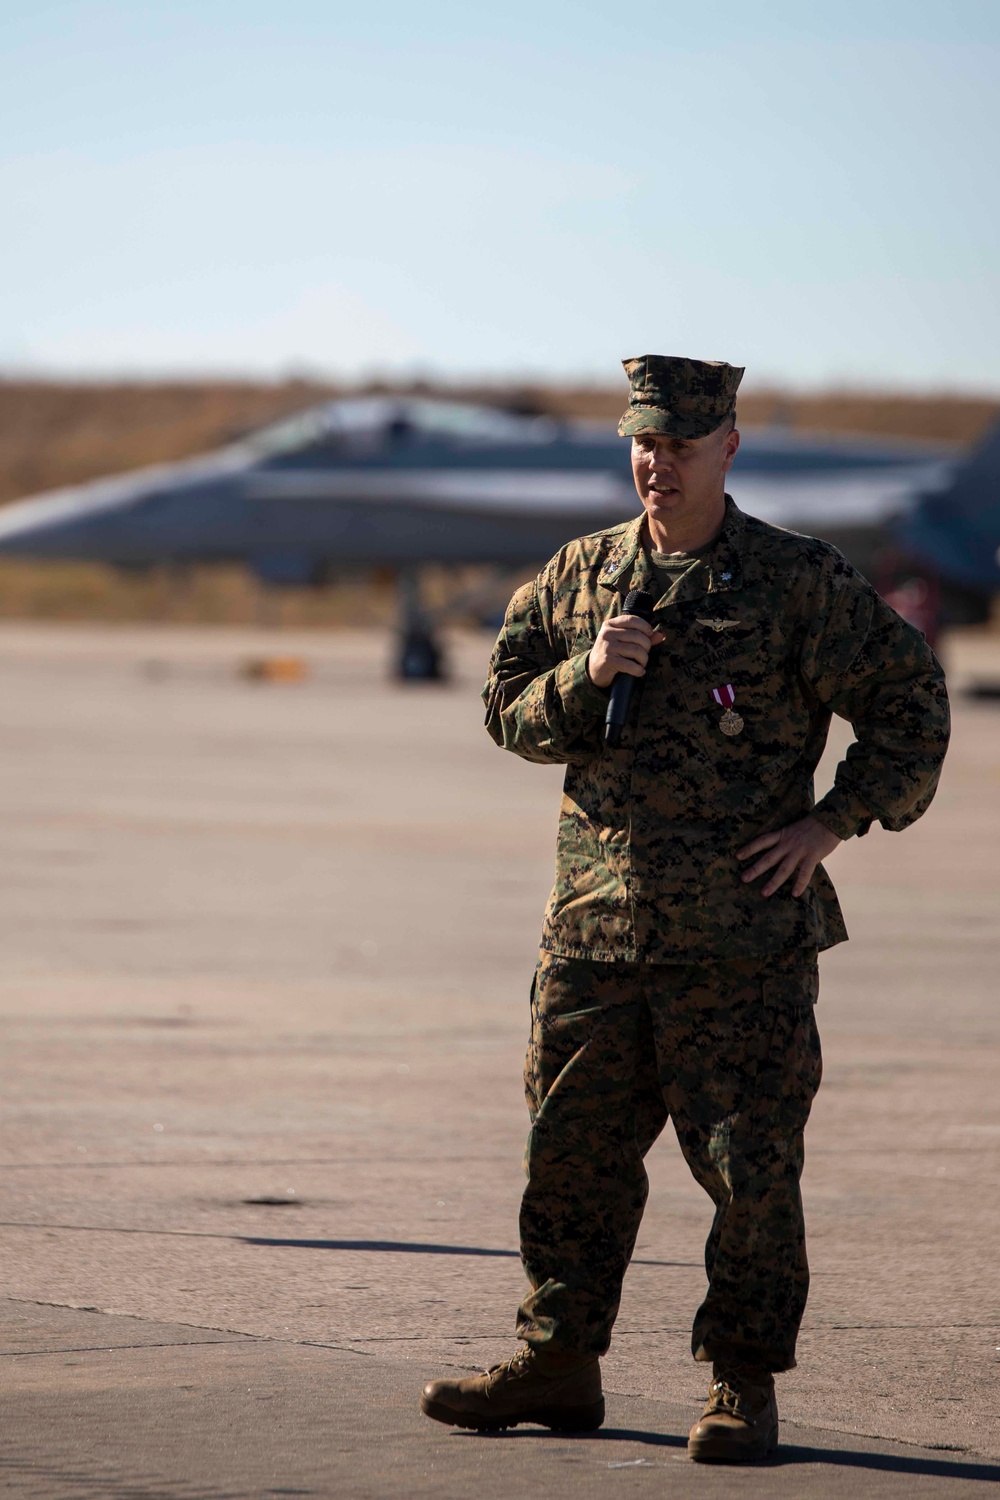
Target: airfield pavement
<point x="264" y="959"/>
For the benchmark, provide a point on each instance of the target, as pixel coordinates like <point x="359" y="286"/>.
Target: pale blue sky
<point x="529" y="189"/>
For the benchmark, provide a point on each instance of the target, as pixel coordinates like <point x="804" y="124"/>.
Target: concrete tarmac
<point x="136" y="1410"/>
<point x="264" y="959"/>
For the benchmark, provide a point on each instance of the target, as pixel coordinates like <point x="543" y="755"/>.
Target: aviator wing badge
<point x="718" y="625"/>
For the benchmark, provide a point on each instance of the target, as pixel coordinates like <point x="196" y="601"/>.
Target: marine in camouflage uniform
<point x="667" y="986"/>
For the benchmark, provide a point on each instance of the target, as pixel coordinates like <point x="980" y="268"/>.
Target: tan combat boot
<point x="740" y="1422"/>
<point x="562" y="1393"/>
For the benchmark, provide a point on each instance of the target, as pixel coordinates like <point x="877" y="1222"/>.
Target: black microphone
<point x="639" y="602"/>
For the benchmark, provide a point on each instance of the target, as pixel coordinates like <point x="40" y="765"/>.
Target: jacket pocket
<point x="792" y="979"/>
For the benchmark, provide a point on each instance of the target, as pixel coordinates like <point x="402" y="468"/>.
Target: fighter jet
<point x="956" y="531"/>
<point x="403" y="482"/>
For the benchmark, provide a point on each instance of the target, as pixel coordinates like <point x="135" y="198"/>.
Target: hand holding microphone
<point x="619" y="655"/>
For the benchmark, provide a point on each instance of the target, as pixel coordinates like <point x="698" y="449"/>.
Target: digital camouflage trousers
<point x="730" y="1053"/>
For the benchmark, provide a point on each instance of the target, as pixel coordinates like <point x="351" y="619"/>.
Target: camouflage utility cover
<point x="646" y="866"/>
<point x="684" y="398"/>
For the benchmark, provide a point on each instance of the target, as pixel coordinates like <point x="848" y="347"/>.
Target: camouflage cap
<point x="686" y="398"/>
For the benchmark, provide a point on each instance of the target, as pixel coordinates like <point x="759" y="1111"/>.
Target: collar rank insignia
<point x="718" y="625"/>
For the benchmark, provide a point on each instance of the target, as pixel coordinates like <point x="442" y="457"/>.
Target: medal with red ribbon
<point x="730" y="723"/>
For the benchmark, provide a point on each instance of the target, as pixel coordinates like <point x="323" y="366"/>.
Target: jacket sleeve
<point x="866" y="664"/>
<point x="540" y="703"/>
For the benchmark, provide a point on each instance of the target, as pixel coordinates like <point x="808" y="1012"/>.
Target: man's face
<point x="680" y="480"/>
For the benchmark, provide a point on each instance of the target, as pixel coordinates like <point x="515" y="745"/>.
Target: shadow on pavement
<point x="398" y="1245"/>
<point x="407" y="1247"/>
<point x="892" y="1463"/>
<point x="415" y="1248"/>
<point x="788" y="1454"/>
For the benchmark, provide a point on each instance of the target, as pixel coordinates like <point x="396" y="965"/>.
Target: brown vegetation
<point x="53" y="434"/>
<point x="228" y="595"/>
<point x="936" y="418"/>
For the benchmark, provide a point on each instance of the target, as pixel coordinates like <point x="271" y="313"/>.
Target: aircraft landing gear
<point x="419" y="657"/>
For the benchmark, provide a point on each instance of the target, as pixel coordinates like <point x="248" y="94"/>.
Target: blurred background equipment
<point x="955" y="533"/>
<point x="408" y="482"/>
<point x="275" y="669"/>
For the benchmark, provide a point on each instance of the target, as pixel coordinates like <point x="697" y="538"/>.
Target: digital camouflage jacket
<point x="646" y="864"/>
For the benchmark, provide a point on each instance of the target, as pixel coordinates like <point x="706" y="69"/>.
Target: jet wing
<point x="386" y="481"/>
